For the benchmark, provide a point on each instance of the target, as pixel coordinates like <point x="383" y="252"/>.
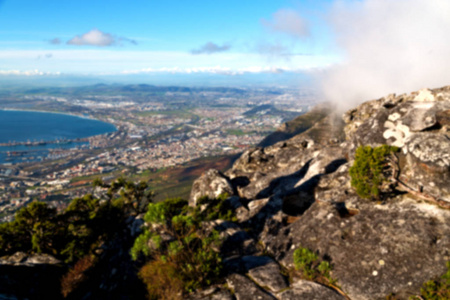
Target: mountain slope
<point x="297" y="194"/>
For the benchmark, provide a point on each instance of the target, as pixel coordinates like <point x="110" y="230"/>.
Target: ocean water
<point x="23" y="126"/>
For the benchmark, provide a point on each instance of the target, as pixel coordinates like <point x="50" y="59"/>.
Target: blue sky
<point x="352" y="49"/>
<point x="171" y="36"/>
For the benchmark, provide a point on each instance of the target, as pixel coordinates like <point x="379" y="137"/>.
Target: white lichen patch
<point x="398" y="131"/>
<point x="394" y="117"/>
<point x="425" y="95"/>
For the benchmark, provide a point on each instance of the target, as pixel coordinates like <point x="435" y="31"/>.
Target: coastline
<point x="113" y="126"/>
<point x="53" y="112"/>
<point x="58" y="113"/>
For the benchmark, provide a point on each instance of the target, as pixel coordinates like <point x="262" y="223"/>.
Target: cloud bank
<point x="210" y="48"/>
<point x="388" y="46"/>
<point x="210" y="70"/>
<point x="98" y="38"/>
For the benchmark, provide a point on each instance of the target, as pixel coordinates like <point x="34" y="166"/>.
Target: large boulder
<point x="379" y="250"/>
<point x="416" y="123"/>
<point x="211" y="184"/>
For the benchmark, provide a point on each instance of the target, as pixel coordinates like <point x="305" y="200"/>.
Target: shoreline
<point x="64" y="114"/>
<point x="52" y="112"/>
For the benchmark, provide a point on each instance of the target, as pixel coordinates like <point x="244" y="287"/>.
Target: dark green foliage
<point x="436" y="289"/>
<point x="76" y="232"/>
<point x="191" y="253"/>
<point x="33" y="229"/>
<point x="132" y="197"/>
<point x="368" y="172"/>
<point x="308" y="263"/>
<point x="215" y="209"/>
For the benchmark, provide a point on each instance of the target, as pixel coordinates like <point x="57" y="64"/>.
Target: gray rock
<point x="235" y="241"/>
<point x="380" y="250"/>
<point x="211" y="184"/>
<point x="245" y="289"/>
<point x="427" y="165"/>
<point x="265" y="272"/>
<point x="303" y="289"/>
<point x="18" y="257"/>
<point x="212" y="293"/>
<point x="37" y="259"/>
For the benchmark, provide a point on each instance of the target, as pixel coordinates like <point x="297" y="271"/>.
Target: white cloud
<point x="210" y="48"/>
<point x="26" y="73"/>
<point x="99" y="61"/>
<point x="98" y="38"/>
<point x="389" y="46"/>
<point x="211" y="70"/>
<point x="288" y="21"/>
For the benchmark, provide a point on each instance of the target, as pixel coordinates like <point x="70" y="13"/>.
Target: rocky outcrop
<point x="211" y="184"/>
<point x="416" y="123"/>
<point x="297" y="193"/>
<point x="24" y="276"/>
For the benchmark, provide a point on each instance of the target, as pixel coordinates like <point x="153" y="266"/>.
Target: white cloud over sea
<point x="105" y="61"/>
<point x="387" y="46"/>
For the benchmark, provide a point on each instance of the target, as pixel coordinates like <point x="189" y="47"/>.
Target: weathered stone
<point x="443" y="118"/>
<point x="211" y="184"/>
<point x="425" y="95"/>
<point x="212" y="293"/>
<point x="303" y="289"/>
<point x="413" y="240"/>
<point x="427" y="165"/>
<point x="297" y="193"/>
<point x="17" y="257"/>
<point x="245" y="289"/>
<point x="235" y="241"/>
<point x="265" y="272"/>
<point x="46" y="259"/>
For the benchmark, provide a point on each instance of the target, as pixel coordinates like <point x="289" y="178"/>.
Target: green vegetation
<point x="213" y="209"/>
<point x="237" y="132"/>
<point x="80" y="229"/>
<point x="183" y="254"/>
<point x="69" y="235"/>
<point x="436" y="289"/>
<point x="311" y="268"/>
<point x="183" y="114"/>
<point x="369" y="170"/>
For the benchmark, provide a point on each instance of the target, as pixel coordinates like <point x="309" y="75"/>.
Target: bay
<point x="23" y="126"/>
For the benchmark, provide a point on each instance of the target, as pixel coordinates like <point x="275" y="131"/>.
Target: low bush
<point x="436" y="289"/>
<point x="370" y="169"/>
<point x="176" y="242"/>
<point x="311" y="267"/>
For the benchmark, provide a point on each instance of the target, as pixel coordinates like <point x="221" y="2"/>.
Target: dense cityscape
<point x="157" y="129"/>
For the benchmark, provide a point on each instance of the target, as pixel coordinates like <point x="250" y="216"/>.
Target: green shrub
<point x="192" y="252"/>
<point x="368" y="171"/>
<point x="86" y="223"/>
<point x="304" y="259"/>
<point x="436" y="289"/>
<point x="163" y="281"/>
<point x="215" y="209"/>
<point x="308" y="263"/>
